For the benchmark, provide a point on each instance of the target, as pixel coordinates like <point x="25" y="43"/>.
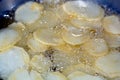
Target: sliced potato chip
<point x="112" y="40"/>
<point x="23" y="74"/>
<point x="55" y="76"/>
<point x="111" y="24"/>
<point x="49" y="19"/>
<point x="75" y="36"/>
<point x="12" y="59"/>
<point x="77" y="75"/>
<point x="48" y="37"/>
<point x="41" y="63"/>
<point x="109" y="64"/>
<point x="29" y="12"/>
<point x="35" y="45"/>
<point x="8" y="37"/>
<point x="84" y="9"/>
<point x="96" y="47"/>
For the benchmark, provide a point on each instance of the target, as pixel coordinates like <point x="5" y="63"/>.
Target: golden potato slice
<point x="55" y="76"/>
<point x="12" y="59"/>
<point x="35" y="45"/>
<point x="75" y="36"/>
<point x="29" y="12"/>
<point x="111" y="24"/>
<point x="40" y="63"/>
<point x="109" y="64"/>
<point x="96" y="47"/>
<point x="8" y="37"/>
<point x="48" y="37"/>
<point x="23" y="74"/>
<point x="84" y="9"/>
<point x="77" y="75"/>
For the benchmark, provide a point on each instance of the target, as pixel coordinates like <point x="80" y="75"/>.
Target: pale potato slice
<point x="84" y="9"/>
<point x="23" y="74"/>
<point x="8" y="37"/>
<point x="48" y="37"/>
<point x="109" y="64"/>
<point x="112" y="40"/>
<point x="79" y="67"/>
<point x="40" y="63"/>
<point x="77" y="75"/>
<point x="35" y="45"/>
<point x="55" y="76"/>
<point x="49" y="19"/>
<point x="12" y="59"/>
<point x="75" y="36"/>
<point x="111" y="24"/>
<point x="29" y="12"/>
<point x="85" y="24"/>
<point x="96" y="47"/>
<point x="17" y="26"/>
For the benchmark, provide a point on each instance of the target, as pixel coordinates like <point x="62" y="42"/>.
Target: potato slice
<point x="48" y="37"/>
<point x="55" y="76"/>
<point x="8" y="37"/>
<point x="84" y="9"/>
<point x="96" y="47"/>
<point x="12" y="59"/>
<point x="75" y="36"/>
<point x="40" y="63"/>
<point x="77" y="75"/>
<point x="29" y="12"/>
<point x="23" y="74"/>
<point x="112" y="40"/>
<point x="49" y="19"/>
<point x="109" y="64"/>
<point x="111" y="24"/>
<point x="35" y="45"/>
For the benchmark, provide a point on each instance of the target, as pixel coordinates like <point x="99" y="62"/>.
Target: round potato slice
<point x="77" y="75"/>
<point x="8" y="37"/>
<point x="84" y="9"/>
<point x="96" y="47"/>
<point x="41" y="63"/>
<point x="111" y="24"/>
<point x="12" y="59"/>
<point x="112" y="40"/>
<point x="35" y="45"/>
<point x="55" y="76"/>
<point x="23" y="74"/>
<point x="29" y="12"/>
<point x="75" y="36"/>
<point x="48" y="37"/>
<point x="49" y="19"/>
<point x="109" y="64"/>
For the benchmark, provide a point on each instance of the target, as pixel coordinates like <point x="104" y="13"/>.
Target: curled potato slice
<point x="111" y="24"/>
<point x="109" y="64"/>
<point x="48" y="37"/>
<point x="96" y="47"/>
<point x="75" y="36"/>
<point x="8" y="37"/>
<point x="41" y="63"/>
<point x="12" y="59"/>
<point x="35" y="45"/>
<point x="55" y="76"/>
<point x="77" y="75"/>
<point x="23" y="74"/>
<point x="84" y="9"/>
<point x="29" y="12"/>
